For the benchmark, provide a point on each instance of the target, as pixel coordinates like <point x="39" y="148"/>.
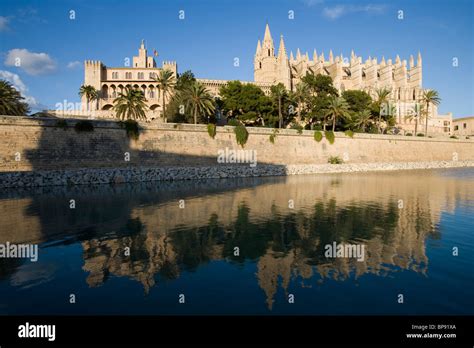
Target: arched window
<point x="269" y="52"/>
<point x="260" y="64"/>
<point x="140" y="76"/>
<point x="128" y="75"/>
<point x="414" y="94"/>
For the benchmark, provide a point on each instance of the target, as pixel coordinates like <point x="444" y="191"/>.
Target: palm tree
<point x="11" y="100"/>
<point x="382" y="95"/>
<point x="337" y="107"/>
<point x="430" y="96"/>
<point x="362" y="119"/>
<point x="90" y="93"/>
<point x="414" y="114"/>
<point x="300" y="96"/>
<point x="199" y="100"/>
<point x="278" y="93"/>
<point x="166" y="83"/>
<point x="130" y="105"/>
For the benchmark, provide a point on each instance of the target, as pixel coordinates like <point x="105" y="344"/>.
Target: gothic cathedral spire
<point x="282" y="50"/>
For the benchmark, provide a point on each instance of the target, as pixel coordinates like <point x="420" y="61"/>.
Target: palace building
<point x="402" y="78"/>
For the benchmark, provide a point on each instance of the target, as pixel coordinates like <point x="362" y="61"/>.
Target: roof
<point x="463" y="118"/>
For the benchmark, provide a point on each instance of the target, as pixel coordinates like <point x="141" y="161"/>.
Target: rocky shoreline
<point x="87" y="176"/>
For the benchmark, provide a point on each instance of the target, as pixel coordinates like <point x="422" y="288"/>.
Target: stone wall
<point x="38" y="144"/>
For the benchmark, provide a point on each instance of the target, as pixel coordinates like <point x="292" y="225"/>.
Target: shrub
<point x="298" y="127"/>
<point x="454" y="137"/>
<point x="241" y="134"/>
<point x="61" y="124"/>
<point x="408" y="134"/>
<point x="318" y="136"/>
<point x="420" y="135"/>
<point x="233" y="122"/>
<point x="335" y="160"/>
<point x="273" y="136"/>
<point x="329" y="136"/>
<point x="84" y="126"/>
<point x="349" y="133"/>
<point x="211" y="130"/>
<point x="131" y="127"/>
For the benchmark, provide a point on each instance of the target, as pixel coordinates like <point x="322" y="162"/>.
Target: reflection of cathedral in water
<point x="287" y="244"/>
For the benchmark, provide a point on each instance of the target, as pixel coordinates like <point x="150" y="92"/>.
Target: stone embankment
<point x="88" y="176"/>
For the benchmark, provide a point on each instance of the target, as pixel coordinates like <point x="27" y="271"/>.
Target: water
<point x="409" y="223"/>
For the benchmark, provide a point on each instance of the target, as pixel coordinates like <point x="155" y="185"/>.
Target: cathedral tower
<point x="268" y="67"/>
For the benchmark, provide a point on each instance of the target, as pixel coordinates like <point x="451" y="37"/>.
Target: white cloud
<point x="16" y="81"/>
<point x="73" y="65"/>
<point x="341" y="10"/>
<point x="4" y="23"/>
<point x="32" y="63"/>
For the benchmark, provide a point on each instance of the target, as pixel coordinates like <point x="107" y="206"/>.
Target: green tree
<point x="357" y="100"/>
<point x="430" y="97"/>
<point x="198" y="99"/>
<point x="11" y="100"/>
<point x="300" y="97"/>
<point x="247" y="103"/>
<point x="166" y="83"/>
<point x="361" y="120"/>
<point x="321" y="90"/>
<point x="185" y="80"/>
<point x="319" y="84"/>
<point x="176" y="110"/>
<point x="130" y="105"/>
<point x="338" y="108"/>
<point x="279" y="93"/>
<point x="90" y="93"/>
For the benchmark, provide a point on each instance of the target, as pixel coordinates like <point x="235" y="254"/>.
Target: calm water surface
<point x="280" y="226"/>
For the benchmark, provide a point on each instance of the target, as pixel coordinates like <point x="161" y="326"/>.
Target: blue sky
<point x="213" y="33"/>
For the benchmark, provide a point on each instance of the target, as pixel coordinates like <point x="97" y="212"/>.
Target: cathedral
<point x="402" y="79"/>
<point x="271" y="67"/>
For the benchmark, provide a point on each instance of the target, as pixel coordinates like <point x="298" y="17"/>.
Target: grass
<point x="329" y="136"/>
<point x="241" y="134"/>
<point x="349" y="133"/>
<point x="318" y="136"/>
<point x="273" y="135"/>
<point x="335" y="160"/>
<point x="211" y="130"/>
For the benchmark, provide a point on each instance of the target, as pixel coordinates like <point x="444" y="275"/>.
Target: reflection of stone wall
<point x="42" y="145"/>
<point x="425" y="196"/>
<point x="16" y="226"/>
